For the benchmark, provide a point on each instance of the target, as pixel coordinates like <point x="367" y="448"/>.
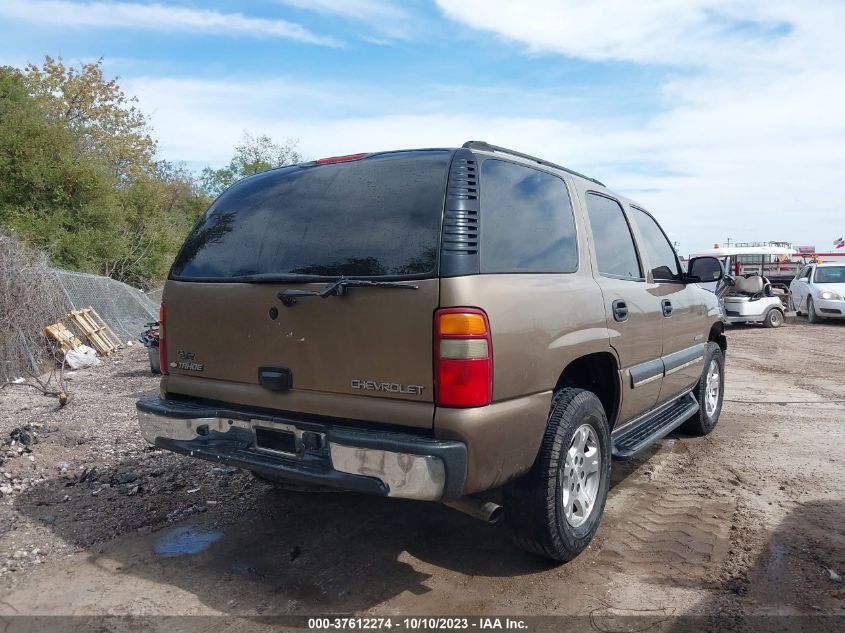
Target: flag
<point x="839" y="243"/>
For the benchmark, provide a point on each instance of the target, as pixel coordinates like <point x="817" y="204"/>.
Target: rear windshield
<point x="375" y="217"/>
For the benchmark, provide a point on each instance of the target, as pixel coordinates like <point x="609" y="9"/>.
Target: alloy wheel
<point x="712" y="387"/>
<point x="581" y="476"/>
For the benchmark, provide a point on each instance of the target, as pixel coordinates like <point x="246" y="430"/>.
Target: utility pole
<point x="728" y="242"/>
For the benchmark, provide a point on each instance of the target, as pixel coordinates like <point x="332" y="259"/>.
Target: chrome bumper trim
<point x="406" y="475"/>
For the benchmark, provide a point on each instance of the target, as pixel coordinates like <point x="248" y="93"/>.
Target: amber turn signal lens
<point x="456" y="323"/>
<point x="463" y="358"/>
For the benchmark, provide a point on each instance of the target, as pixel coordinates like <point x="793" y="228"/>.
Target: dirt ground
<point x="747" y="521"/>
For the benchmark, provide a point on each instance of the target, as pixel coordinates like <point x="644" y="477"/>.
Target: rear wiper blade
<point x="338" y="289"/>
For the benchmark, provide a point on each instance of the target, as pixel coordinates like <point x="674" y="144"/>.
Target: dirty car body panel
<point x="349" y="390"/>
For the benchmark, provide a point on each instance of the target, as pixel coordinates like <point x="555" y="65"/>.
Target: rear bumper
<point x="373" y="461"/>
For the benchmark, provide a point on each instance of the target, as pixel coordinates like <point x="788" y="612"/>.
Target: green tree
<point x="254" y="155"/>
<point x="157" y="212"/>
<point x="79" y="179"/>
<point x="58" y="195"/>
<point x="48" y="197"/>
<point x="109" y="124"/>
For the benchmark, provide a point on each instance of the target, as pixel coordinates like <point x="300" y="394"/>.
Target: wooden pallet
<point x="95" y="330"/>
<point x="63" y="336"/>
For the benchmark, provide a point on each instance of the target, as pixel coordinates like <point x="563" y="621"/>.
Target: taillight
<point x="463" y="358"/>
<point x="162" y="343"/>
<point x="340" y="159"/>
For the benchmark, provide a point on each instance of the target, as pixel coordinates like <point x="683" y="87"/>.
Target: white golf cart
<point x="747" y="295"/>
<point x="751" y="300"/>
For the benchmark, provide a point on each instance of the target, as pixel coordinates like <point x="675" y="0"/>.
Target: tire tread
<point x="698" y="423"/>
<point x="535" y="509"/>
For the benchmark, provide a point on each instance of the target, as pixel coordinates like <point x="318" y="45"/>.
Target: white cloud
<point x="155" y="17"/>
<point x="753" y="115"/>
<point x="661" y="31"/>
<point x="389" y="18"/>
<point x="745" y="169"/>
<point x="750" y="145"/>
<point x="353" y="9"/>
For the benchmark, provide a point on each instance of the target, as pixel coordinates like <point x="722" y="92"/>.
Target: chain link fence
<point x="155" y="295"/>
<point x="33" y="296"/>
<point x="124" y="309"/>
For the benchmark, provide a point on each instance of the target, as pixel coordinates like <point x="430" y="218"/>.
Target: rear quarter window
<point x="527" y="224"/>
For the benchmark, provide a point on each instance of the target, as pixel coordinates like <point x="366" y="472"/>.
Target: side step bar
<point x="644" y="432"/>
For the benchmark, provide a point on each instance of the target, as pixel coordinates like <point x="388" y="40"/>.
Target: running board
<point x="632" y="439"/>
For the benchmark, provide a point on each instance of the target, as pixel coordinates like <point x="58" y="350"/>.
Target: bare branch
<point x="31" y="298"/>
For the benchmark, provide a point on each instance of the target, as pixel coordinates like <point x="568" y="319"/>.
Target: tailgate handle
<point x="275" y="378"/>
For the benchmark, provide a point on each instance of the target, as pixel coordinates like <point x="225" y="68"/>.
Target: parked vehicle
<point x="778" y="262"/>
<point x="751" y="300"/>
<point x="819" y="292"/>
<point x="433" y="325"/>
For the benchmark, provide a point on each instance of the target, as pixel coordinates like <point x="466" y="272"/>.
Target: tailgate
<point x="368" y="343"/>
<point x="366" y="354"/>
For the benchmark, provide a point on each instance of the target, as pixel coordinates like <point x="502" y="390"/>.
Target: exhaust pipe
<point x="486" y="511"/>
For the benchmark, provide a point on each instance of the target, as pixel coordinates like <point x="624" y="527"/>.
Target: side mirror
<point x="804" y="280"/>
<point x="704" y="270"/>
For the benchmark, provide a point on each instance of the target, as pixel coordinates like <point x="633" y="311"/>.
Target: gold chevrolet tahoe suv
<point x="435" y="324"/>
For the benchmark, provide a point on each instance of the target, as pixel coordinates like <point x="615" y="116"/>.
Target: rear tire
<point x="710" y="392"/>
<point x="812" y="317"/>
<point x="555" y="510"/>
<point x="774" y="318"/>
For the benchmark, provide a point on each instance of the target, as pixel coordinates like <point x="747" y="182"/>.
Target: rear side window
<point x="659" y="252"/>
<point x="615" y="252"/>
<point x="526" y="221"/>
<point x="379" y="216"/>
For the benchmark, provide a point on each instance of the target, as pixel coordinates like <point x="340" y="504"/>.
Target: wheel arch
<point x="717" y="335"/>
<point x="597" y="373"/>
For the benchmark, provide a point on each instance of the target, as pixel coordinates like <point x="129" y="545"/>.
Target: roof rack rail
<point x="484" y="146"/>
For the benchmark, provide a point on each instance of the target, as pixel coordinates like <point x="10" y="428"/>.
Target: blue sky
<point x="721" y="116"/>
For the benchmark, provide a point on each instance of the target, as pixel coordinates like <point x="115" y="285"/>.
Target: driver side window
<point x="661" y="256"/>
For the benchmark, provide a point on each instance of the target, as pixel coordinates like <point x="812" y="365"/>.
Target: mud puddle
<point x="184" y="540"/>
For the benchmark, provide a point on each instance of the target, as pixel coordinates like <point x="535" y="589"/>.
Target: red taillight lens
<point x="463" y="358"/>
<point x="162" y="343"/>
<point x="339" y="159"/>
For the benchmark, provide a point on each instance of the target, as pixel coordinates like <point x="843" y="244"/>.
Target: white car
<point x="819" y="292"/>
